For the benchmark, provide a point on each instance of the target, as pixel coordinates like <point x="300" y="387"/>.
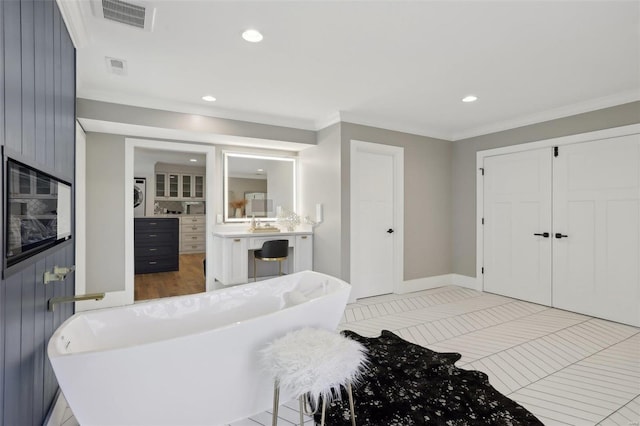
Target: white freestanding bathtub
<point x="188" y="360"/>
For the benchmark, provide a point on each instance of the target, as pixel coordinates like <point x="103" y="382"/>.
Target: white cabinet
<point x="186" y="182"/>
<point x="198" y="187"/>
<point x="192" y="187"/>
<point x="303" y="257"/>
<point x="230" y="260"/>
<point x="232" y="252"/>
<point x="173" y="185"/>
<point x="167" y="185"/>
<point x="161" y="185"/>
<point x="179" y="186"/>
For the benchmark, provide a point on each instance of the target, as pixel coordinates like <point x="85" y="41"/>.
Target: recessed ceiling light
<point x="252" y="36"/>
<point x="470" y="98"/>
<point x="260" y="170"/>
<point x="208" y="98"/>
<point x="193" y="160"/>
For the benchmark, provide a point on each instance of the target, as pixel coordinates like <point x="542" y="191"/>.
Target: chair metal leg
<point x="254" y="269"/>
<point x="301" y="410"/>
<point x="279" y="267"/>
<point x="276" y="402"/>
<point x="353" y="413"/>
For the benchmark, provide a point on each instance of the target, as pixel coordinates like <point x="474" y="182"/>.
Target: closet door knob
<point x="389" y="231"/>
<point x="544" y="234"/>
<point x="559" y="235"/>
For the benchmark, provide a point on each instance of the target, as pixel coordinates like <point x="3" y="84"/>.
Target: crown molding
<point x="72" y="15"/>
<point x="552" y="114"/>
<point x="363" y="119"/>
<point x="328" y="121"/>
<point x="394" y="125"/>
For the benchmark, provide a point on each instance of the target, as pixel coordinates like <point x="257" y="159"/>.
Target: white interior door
<point x="517" y="205"/>
<point x="597" y="217"/>
<point x="376" y="218"/>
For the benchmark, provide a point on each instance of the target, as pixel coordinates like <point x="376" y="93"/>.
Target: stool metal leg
<point x="353" y="414"/>
<point x="324" y="408"/>
<point x="276" y="402"/>
<point x="254" y="269"/>
<point x="301" y="410"/>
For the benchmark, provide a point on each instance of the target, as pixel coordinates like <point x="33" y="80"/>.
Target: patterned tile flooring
<point x="566" y="368"/>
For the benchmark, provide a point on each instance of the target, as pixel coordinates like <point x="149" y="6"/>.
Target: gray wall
<point x="105" y="161"/>
<point x="37" y="92"/>
<point x="463" y="176"/>
<point x="427" y="198"/>
<point x="320" y="182"/>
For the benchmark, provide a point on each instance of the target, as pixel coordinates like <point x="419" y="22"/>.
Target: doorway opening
<point x="168" y="237"/>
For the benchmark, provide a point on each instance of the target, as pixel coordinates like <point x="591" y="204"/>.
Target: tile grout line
<point x="615" y="412"/>
<point x="580" y="360"/>
<point x="502" y="322"/>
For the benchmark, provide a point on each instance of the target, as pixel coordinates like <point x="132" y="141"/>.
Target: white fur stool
<point x="313" y="363"/>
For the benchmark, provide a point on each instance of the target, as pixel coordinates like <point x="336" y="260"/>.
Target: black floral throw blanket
<point x="406" y="384"/>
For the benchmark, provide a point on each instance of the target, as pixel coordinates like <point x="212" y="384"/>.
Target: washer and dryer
<point x="139" y="194"/>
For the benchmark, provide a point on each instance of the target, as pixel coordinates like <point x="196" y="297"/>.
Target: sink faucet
<point x="57" y="300"/>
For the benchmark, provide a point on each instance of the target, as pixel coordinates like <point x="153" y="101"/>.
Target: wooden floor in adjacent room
<point x="188" y="280"/>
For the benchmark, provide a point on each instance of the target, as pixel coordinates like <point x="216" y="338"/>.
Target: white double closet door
<point x="564" y="230"/>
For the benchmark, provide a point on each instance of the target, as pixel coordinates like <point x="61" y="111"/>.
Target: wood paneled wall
<point x="37" y="109"/>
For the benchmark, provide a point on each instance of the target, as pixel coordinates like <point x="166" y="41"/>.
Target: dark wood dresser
<point x="156" y="244"/>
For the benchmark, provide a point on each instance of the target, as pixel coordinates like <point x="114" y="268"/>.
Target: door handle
<point x="544" y="234"/>
<point x="559" y="235"/>
<point x="389" y="231"/>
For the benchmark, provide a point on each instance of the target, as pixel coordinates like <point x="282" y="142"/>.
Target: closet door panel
<point x="597" y="206"/>
<point x="517" y="191"/>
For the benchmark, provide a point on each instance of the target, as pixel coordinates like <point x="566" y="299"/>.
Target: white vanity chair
<point x="312" y="363"/>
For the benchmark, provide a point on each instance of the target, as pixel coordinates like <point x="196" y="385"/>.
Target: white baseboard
<point x="465" y="281"/>
<point x="424" y="284"/>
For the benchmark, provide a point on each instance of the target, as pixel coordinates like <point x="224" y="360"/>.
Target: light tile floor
<point x="566" y="368"/>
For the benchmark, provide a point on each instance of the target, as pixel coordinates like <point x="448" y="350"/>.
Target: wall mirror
<point x="257" y="185"/>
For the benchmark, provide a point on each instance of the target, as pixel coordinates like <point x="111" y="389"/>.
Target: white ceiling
<point x="402" y="65"/>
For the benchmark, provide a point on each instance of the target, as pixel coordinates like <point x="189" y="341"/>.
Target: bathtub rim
<point x="51" y="350"/>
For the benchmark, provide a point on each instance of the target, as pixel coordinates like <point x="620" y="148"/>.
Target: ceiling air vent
<point x="136" y="14"/>
<point x="116" y="66"/>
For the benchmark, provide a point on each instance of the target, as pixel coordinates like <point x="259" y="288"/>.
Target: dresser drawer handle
<point x="153" y="249"/>
<point x="194" y="246"/>
<point x="194" y="227"/>
<point x="152" y="263"/>
<point x="153" y="223"/>
<point x="237" y="240"/>
<point x="194" y="220"/>
<point x="152" y="235"/>
<point x="194" y="238"/>
<point x="304" y="237"/>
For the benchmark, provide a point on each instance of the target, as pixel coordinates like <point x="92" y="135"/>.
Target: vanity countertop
<point x="244" y="233"/>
